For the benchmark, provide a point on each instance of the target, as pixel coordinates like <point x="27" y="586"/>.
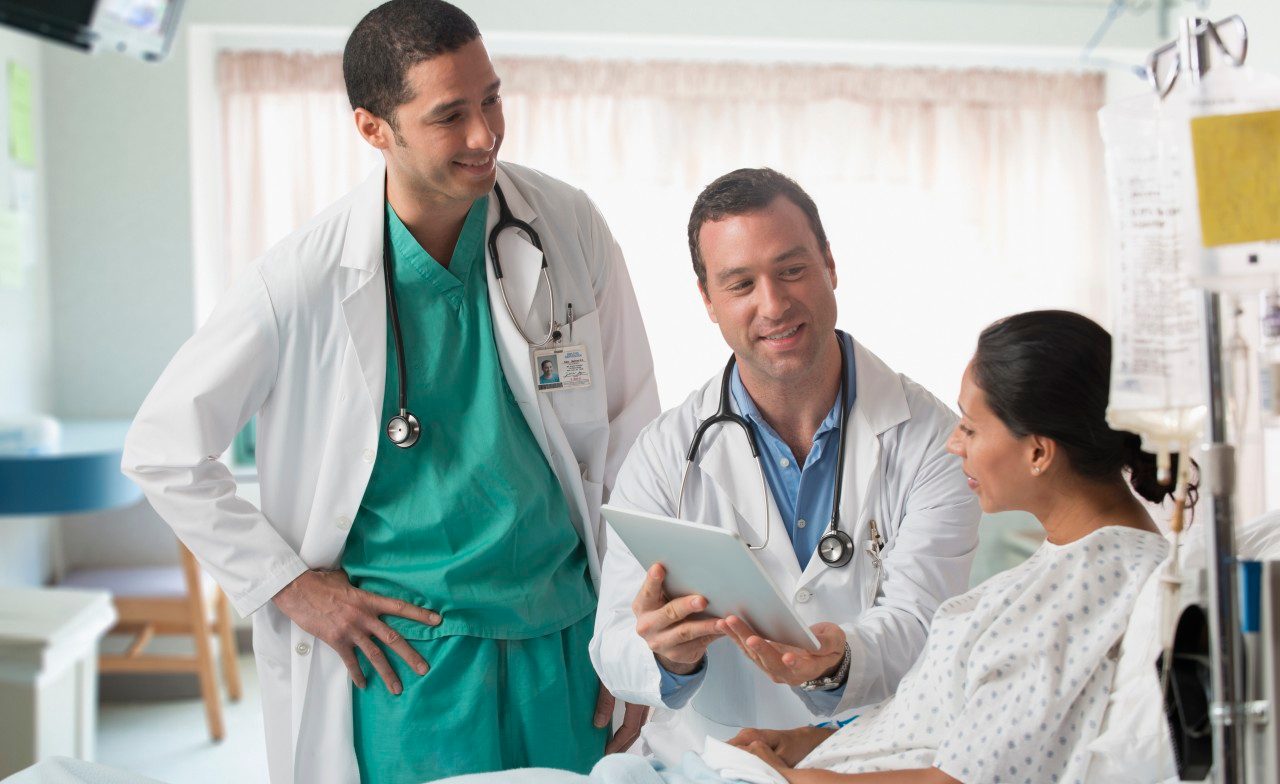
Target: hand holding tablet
<point x="676" y="630"/>
<point x="701" y="562"/>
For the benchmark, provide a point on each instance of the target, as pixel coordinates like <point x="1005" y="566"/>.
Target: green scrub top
<point x="470" y="521"/>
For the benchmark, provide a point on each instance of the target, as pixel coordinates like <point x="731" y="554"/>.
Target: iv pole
<point x="1218" y="472"/>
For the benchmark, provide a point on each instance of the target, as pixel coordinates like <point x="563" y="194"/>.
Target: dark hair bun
<point x="1143" y="473"/>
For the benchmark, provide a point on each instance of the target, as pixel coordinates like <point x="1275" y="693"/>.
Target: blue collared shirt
<point x="802" y="493"/>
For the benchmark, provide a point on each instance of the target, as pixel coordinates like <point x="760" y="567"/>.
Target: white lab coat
<point x="897" y="472"/>
<point x="301" y="339"/>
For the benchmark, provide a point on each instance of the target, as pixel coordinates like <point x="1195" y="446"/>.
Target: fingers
<point x="739" y="631"/>
<point x="763" y="652"/>
<point x="670" y="635"/>
<point x="383" y="605"/>
<point x="348" y="657"/>
<point x="650" y="595"/>
<point x="767" y="754"/>
<point x="767" y="655"/>
<point x="746" y="737"/>
<point x="679" y="635"/>
<point x="380" y="664"/>
<point x="633" y="719"/>
<point x="604" y="708"/>
<point x="653" y="622"/>
<point x="392" y="639"/>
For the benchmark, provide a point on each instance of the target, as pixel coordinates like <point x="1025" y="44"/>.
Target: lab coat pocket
<point x="594" y="492"/>
<point x="586" y="404"/>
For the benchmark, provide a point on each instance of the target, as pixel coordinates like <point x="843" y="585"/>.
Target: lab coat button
<point x="803" y="596"/>
<point x="344" y="522"/>
<point x="368" y="455"/>
<point x="303" y="649"/>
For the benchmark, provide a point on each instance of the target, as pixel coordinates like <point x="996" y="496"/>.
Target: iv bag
<point x="1230" y="141"/>
<point x="1158" y="364"/>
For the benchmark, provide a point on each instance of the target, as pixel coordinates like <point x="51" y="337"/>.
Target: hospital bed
<point x="1132" y="746"/>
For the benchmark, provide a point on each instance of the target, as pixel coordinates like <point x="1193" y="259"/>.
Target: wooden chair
<point x="178" y="600"/>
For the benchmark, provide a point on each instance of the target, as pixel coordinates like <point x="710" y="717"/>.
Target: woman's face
<point x="997" y="463"/>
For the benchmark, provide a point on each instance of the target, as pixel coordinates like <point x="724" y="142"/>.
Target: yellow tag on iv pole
<point x="1237" y="176"/>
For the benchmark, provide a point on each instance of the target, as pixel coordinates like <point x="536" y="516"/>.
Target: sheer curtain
<point x="289" y="146"/>
<point x="951" y="198"/>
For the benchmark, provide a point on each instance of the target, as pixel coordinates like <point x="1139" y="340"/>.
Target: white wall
<point x="25" y="342"/>
<point x="120" y="181"/>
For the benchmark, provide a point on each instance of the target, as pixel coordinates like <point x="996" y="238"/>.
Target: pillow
<point x="1133" y="744"/>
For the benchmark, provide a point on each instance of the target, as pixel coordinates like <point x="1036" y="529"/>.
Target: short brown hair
<point x="740" y="192"/>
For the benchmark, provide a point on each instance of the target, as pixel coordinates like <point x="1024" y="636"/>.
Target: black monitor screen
<point x="62" y="20"/>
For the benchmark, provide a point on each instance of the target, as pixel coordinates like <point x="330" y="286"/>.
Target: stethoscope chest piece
<point x="403" y="430"/>
<point x="835" y="548"/>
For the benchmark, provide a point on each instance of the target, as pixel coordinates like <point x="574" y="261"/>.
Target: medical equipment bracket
<point x="1229" y="711"/>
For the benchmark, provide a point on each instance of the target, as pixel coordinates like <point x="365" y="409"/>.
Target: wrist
<point x="835" y="669"/>
<point x="291" y="588"/>
<point x="833" y="678"/>
<point x="678" y="668"/>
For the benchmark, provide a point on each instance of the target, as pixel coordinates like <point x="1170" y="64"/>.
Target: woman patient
<point x="1015" y="674"/>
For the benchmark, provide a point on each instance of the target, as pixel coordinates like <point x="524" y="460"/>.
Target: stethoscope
<point x="404" y="429"/>
<point x="835" y="548"/>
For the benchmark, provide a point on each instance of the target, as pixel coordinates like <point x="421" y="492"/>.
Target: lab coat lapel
<point x="521" y="267"/>
<point x="365" y="307"/>
<point x="513" y="350"/>
<point x="726" y="461"/>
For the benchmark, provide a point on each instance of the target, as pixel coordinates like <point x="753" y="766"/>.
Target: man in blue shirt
<point x="767" y="279"/>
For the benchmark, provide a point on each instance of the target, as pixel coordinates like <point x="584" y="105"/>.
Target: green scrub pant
<point x="485" y="705"/>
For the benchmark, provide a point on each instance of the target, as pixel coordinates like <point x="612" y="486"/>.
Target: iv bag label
<point x="1237" y="160"/>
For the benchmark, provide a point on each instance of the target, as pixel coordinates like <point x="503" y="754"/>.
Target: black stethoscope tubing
<point x="404" y="429"/>
<point x="835" y="548"/>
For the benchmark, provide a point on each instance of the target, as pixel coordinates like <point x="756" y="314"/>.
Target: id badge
<point x="561" y="367"/>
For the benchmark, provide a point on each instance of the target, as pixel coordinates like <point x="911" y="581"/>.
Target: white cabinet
<point x="49" y="673"/>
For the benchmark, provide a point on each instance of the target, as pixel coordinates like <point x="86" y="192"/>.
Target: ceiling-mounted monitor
<point x="142" y="28"/>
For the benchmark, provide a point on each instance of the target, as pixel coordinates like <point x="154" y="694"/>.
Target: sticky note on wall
<point x="1237" y="159"/>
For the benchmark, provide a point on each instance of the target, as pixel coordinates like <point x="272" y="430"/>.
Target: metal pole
<point x="1218" y="480"/>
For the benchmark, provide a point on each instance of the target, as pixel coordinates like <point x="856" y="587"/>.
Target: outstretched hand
<point x="787" y="664"/>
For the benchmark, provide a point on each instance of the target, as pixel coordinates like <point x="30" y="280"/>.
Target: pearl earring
<point x="1036" y="470"/>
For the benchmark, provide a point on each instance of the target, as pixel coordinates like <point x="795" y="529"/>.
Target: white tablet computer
<point x="715" y="564"/>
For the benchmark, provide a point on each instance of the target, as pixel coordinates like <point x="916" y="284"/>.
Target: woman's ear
<point x="1041" y="453"/>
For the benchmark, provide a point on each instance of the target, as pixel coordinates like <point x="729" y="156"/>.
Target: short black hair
<point x="1048" y="373"/>
<point x="742" y="191"/>
<point x="390" y="40"/>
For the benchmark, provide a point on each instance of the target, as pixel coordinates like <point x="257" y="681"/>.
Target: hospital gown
<point x="1015" y="674"/>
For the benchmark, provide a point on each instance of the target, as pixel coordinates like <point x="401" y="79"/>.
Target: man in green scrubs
<point x="484" y="666"/>
<point x="470" y="522"/>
